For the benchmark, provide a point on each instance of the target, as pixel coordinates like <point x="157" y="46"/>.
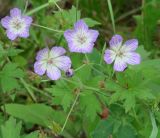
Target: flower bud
<point x="69" y="73"/>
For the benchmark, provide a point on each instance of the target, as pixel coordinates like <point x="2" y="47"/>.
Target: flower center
<point x="81" y="39"/>
<point x="50" y="61"/>
<point x="17" y="24"/>
<point x="120" y="54"/>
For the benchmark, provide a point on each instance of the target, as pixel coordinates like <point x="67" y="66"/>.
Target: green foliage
<point x="34" y="113"/>
<point x="91" y="105"/>
<point x="62" y="96"/>
<point x="106" y="129"/>
<point x="132" y="97"/>
<point x="10" y="73"/>
<point x="147" y="23"/>
<point x="11" y="129"/>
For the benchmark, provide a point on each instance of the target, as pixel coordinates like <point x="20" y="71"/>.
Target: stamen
<point x="17" y="24"/>
<point x="81" y="39"/>
<point x="50" y="61"/>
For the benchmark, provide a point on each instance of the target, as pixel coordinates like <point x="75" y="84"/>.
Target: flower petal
<point x="86" y="48"/>
<point x="119" y="64"/>
<point x="130" y="45"/>
<point x="40" y="67"/>
<point x="133" y="58"/>
<point x="24" y="34"/>
<point x="28" y="20"/>
<point x="15" y="12"/>
<point x="80" y="25"/>
<point x="5" y="21"/>
<point x="57" y="51"/>
<point x="11" y="35"/>
<point x="53" y="72"/>
<point x="109" y="56"/>
<point x="69" y="35"/>
<point x="116" y="42"/>
<point x="93" y="34"/>
<point x="62" y="62"/>
<point x="42" y="54"/>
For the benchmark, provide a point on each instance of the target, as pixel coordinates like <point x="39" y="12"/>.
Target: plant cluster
<point x="69" y="87"/>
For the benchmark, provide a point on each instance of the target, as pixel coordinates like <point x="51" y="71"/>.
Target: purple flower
<point x="51" y="62"/>
<point x="17" y="25"/>
<point x="81" y="39"/>
<point x="69" y="73"/>
<point x="122" y="54"/>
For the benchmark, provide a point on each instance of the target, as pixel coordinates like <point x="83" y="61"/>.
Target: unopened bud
<point x="69" y="73"/>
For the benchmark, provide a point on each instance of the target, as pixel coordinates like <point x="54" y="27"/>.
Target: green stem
<point x="50" y="29"/>
<point x="73" y="82"/>
<point x="112" y="73"/>
<point x="25" y="8"/>
<point x="80" y="67"/>
<point x="112" y="15"/>
<point x="74" y="103"/>
<point x="154" y="132"/>
<point x="95" y="90"/>
<point x="128" y="14"/>
<point x="59" y="8"/>
<point x="40" y="91"/>
<point x="86" y="87"/>
<point x="77" y="4"/>
<point x="28" y="89"/>
<point x="87" y="59"/>
<point x="99" y="71"/>
<point x="38" y="9"/>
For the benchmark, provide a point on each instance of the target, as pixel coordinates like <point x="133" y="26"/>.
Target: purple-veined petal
<point x="53" y="72"/>
<point x="93" y="35"/>
<point x="42" y="54"/>
<point x="62" y="62"/>
<point x="116" y="42"/>
<point x="133" y="58"/>
<point x="24" y="34"/>
<point x="69" y="35"/>
<point x="28" y="20"/>
<point x="11" y="35"/>
<point x="80" y="25"/>
<point x="5" y="21"/>
<point x="130" y="45"/>
<point x="57" y="51"/>
<point x="40" y="67"/>
<point x="109" y="56"/>
<point x="15" y="12"/>
<point x="119" y="64"/>
<point x="86" y="48"/>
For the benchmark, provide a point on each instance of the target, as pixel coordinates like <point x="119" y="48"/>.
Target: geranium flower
<point x="81" y="39"/>
<point x="122" y="54"/>
<point x="17" y="25"/>
<point x="52" y="62"/>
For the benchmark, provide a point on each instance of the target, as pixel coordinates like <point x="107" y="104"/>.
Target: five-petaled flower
<point x="51" y="62"/>
<point x="17" y="25"/>
<point x="81" y="39"/>
<point x="122" y="54"/>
